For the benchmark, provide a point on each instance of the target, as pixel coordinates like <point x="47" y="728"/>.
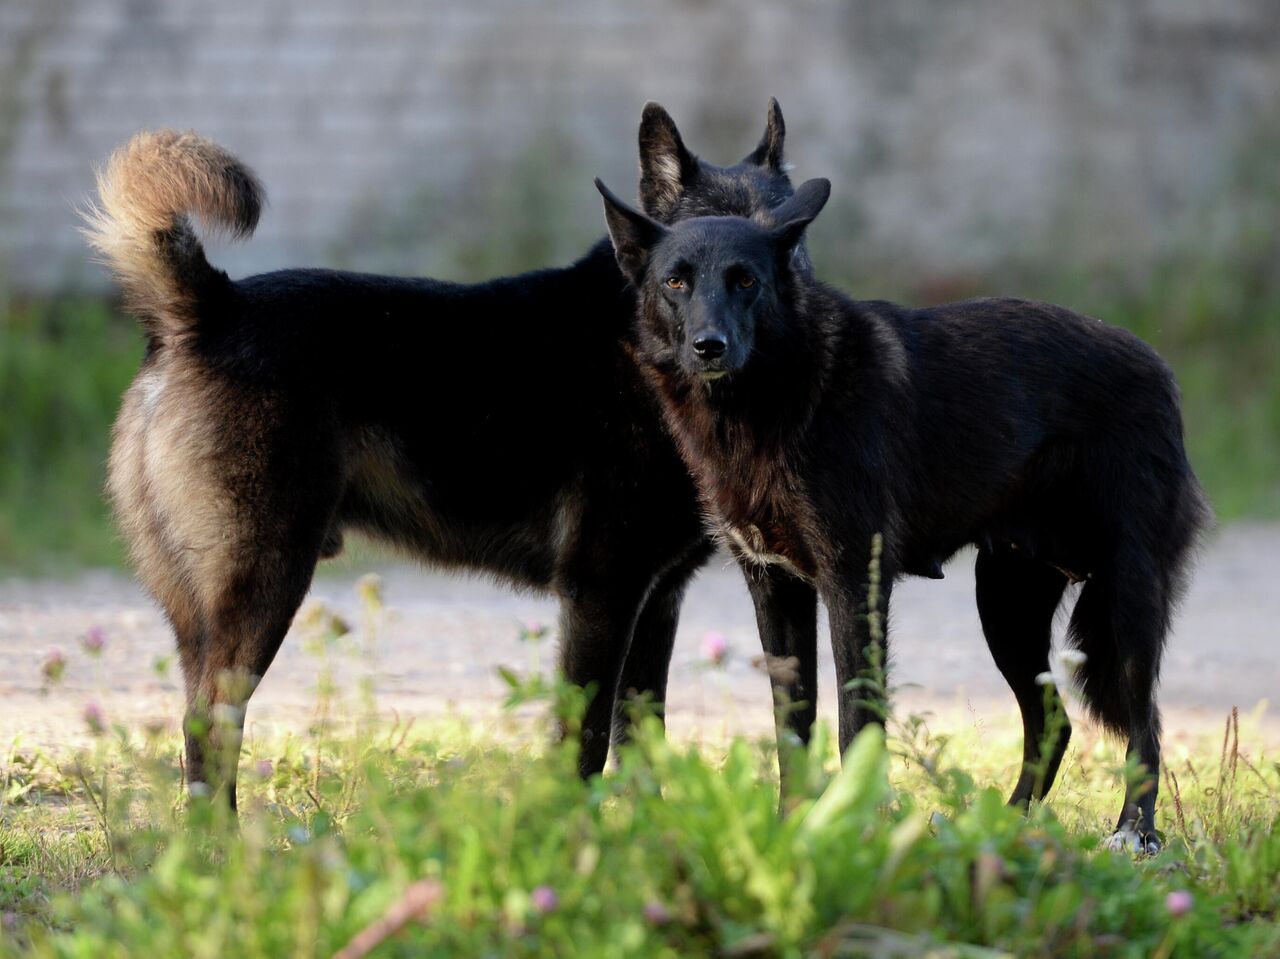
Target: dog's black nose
<point x="710" y="347"/>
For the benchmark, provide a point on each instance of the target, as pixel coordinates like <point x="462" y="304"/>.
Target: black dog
<point x="501" y="427"/>
<point x="814" y="422"/>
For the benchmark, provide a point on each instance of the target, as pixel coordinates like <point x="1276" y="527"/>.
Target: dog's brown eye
<point x="675" y="283"/>
<point x="746" y="282"/>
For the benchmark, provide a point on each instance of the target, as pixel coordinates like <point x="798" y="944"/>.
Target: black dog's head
<point x="677" y="185"/>
<point x="707" y="285"/>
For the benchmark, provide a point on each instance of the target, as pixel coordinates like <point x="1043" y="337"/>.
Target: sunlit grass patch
<point x="678" y="851"/>
<point x="367" y="835"/>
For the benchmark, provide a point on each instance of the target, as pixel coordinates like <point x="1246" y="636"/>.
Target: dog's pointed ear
<point x="666" y="165"/>
<point x="768" y="153"/>
<point x="633" y="234"/>
<point x="798" y="212"/>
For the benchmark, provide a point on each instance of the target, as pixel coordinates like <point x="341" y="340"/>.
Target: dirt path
<point x="445" y="637"/>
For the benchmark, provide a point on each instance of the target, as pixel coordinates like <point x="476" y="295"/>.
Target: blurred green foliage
<point x="63" y="367"/>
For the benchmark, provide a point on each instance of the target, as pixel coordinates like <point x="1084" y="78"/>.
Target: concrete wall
<point x="461" y="136"/>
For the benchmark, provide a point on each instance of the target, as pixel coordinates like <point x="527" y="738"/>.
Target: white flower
<point x="1046" y="679"/>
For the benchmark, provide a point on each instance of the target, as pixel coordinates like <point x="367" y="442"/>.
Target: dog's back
<point x="276" y="409"/>
<point x="1043" y="415"/>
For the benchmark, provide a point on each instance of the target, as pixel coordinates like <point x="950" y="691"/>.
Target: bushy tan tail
<point x="142" y="230"/>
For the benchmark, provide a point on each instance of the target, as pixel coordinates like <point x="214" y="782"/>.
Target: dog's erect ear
<point x="798" y="212"/>
<point x="768" y="153"/>
<point x="633" y="234"/>
<point x="666" y="166"/>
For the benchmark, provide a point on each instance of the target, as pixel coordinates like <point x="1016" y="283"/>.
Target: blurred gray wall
<point x="461" y="136"/>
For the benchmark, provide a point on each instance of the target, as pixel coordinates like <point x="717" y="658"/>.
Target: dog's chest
<point x="757" y="503"/>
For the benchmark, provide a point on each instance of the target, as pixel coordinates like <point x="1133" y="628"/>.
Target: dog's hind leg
<point x="182" y="608"/>
<point x="648" y="660"/>
<point x="1120" y="623"/>
<point x="1017" y="598"/>
<point x="246" y="624"/>
<point x="244" y="514"/>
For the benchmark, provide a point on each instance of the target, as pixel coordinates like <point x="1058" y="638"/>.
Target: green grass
<point x="486" y="845"/>
<point x="679" y="852"/>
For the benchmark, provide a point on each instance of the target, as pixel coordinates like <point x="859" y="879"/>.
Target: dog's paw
<point x="1130" y="840"/>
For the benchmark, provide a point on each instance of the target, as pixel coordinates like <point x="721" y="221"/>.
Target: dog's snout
<point x="710" y="346"/>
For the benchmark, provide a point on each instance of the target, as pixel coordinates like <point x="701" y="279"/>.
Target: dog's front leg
<point x="787" y="616"/>
<point x="597" y="617"/>
<point x="858" y="605"/>
<point x="647" y="665"/>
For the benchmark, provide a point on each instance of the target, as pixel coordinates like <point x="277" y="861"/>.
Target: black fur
<point x="501" y="427"/>
<point x="813" y="422"/>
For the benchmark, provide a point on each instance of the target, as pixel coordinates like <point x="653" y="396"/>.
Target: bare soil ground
<point x="444" y="637"/>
